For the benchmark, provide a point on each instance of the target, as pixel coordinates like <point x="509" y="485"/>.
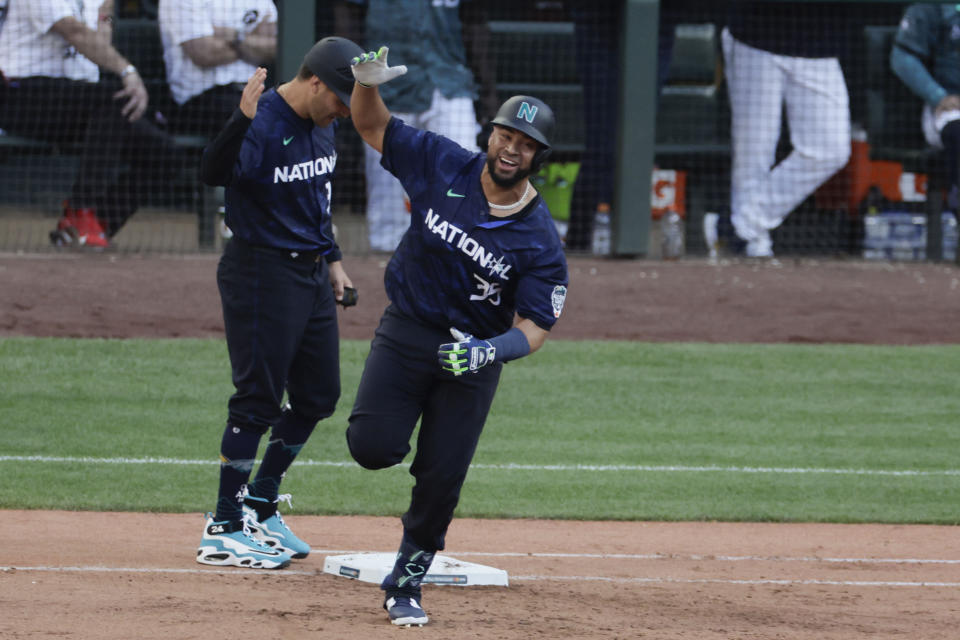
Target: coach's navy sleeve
<point x="220" y="156"/>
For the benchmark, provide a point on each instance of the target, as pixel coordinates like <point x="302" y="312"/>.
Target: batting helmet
<point x="531" y="116"/>
<point x="329" y="60"/>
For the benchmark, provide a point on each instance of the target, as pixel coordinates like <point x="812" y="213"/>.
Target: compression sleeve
<point x="915" y="75"/>
<point x="220" y="156"/>
<point x="510" y="345"/>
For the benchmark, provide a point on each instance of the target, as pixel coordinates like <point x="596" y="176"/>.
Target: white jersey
<point x="185" y="20"/>
<point x="29" y="48"/>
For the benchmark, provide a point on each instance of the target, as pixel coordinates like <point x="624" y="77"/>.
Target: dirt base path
<point x="122" y="576"/>
<point x="132" y="576"/>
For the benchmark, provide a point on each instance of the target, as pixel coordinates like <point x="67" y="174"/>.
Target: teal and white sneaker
<point x="273" y="531"/>
<point x="231" y="543"/>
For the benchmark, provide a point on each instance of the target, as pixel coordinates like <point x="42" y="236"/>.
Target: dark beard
<point x="505" y="183"/>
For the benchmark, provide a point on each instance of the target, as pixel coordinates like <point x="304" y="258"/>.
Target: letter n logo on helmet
<point x="527" y="112"/>
<point x="519" y="113"/>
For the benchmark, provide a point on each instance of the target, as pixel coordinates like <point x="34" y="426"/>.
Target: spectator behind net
<point x="211" y="48"/>
<point x="52" y="54"/>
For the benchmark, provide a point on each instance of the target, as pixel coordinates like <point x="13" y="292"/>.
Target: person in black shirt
<point x="276" y="156"/>
<point x="63" y="82"/>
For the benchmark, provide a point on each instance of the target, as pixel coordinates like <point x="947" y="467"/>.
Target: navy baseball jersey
<point x="279" y="194"/>
<point x="458" y="266"/>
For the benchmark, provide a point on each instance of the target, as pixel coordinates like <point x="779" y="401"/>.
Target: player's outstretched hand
<point x="252" y="92"/>
<point x="371" y="69"/>
<point x="466" y="354"/>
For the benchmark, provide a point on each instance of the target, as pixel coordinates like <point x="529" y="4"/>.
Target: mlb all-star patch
<point x="557" y="299"/>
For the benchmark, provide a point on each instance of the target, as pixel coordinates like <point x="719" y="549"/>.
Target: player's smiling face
<point x="509" y="155"/>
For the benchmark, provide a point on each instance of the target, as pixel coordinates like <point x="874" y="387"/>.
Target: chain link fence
<point x="782" y="128"/>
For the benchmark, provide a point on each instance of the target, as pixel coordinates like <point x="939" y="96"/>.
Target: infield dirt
<point x="122" y="575"/>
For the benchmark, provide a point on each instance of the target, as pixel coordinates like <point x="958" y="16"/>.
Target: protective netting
<point x="786" y="128"/>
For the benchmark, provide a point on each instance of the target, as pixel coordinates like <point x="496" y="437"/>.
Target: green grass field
<point x="583" y="430"/>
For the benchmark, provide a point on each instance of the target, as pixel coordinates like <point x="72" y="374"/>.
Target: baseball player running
<point x="481" y="262"/>
<point x="276" y="156"/>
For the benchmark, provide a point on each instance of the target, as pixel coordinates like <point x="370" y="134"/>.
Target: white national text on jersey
<point x="459" y="238"/>
<point x="305" y="170"/>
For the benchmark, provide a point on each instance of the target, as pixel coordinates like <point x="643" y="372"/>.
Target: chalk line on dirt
<point x="518" y="467"/>
<point x="521" y="578"/>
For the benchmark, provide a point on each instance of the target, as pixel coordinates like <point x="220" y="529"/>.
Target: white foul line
<point x="287" y="572"/>
<point x="836" y="583"/>
<point x="669" y="556"/>
<point x="520" y="467"/>
<point x="699" y="557"/>
<point x="522" y="578"/>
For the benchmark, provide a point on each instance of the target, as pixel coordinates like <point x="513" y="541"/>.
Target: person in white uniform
<point x="780" y="54"/>
<point x="211" y="48"/>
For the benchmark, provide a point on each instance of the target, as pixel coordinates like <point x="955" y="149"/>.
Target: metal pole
<point x="295" y="35"/>
<point x="635" y="127"/>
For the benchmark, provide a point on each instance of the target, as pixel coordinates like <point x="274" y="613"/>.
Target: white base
<point x="374" y="567"/>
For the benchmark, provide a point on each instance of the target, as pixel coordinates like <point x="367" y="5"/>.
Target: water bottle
<point x="711" y="236"/>
<point x="671" y="235"/>
<point x="601" y="230"/>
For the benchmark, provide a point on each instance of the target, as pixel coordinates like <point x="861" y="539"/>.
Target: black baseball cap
<point x="329" y="60"/>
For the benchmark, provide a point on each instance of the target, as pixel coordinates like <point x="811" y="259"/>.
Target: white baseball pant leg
<point x="387" y="215"/>
<point x="818" y="111"/>
<point x="933" y="124"/>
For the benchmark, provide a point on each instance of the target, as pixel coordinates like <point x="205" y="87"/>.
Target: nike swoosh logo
<point x="268" y="551"/>
<point x="451" y="194"/>
<point x="287" y="141"/>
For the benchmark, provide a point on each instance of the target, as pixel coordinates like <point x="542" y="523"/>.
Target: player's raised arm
<point x="370" y="115"/>
<point x="220" y="156"/>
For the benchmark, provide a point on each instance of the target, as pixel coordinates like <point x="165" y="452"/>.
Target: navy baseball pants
<point x="280" y="317"/>
<point x="402" y="382"/>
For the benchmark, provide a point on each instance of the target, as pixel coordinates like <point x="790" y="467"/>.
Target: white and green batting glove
<point x="466" y="354"/>
<point x="371" y="69"/>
